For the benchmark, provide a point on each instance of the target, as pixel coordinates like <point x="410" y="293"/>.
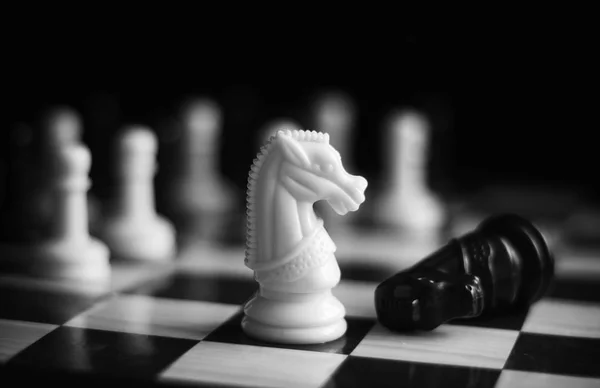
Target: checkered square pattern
<point x="19" y="335"/>
<point x="564" y="317"/>
<point x="106" y="352"/>
<point x="211" y="362"/>
<point x="181" y="326"/>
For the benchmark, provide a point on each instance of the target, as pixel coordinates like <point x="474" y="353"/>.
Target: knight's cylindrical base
<point x="294" y="318"/>
<point x="294" y="336"/>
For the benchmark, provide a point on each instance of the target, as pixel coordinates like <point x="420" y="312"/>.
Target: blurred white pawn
<point x="200" y="197"/>
<point x="406" y="200"/>
<point x="68" y="250"/>
<point x="132" y="229"/>
<point x="334" y="113"/>
<point x="62" y="126"/>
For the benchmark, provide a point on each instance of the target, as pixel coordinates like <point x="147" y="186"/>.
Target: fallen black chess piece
<point x="503" y="264"/>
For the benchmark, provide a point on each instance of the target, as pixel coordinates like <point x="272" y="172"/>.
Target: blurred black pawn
<point x="502" y="265"/>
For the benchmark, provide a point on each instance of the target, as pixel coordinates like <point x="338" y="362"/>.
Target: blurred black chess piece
<point x="502" y="265"/>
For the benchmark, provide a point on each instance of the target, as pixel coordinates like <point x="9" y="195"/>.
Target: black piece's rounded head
<point x="424" y="299"/>
<point x="537" y="262"/>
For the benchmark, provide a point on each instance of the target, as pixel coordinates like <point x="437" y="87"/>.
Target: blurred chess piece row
<point x="28" y="206"/>
<point x="152" y="209"/>
<point x="60" y="245"/>
<point x="403" y="202"/>
<point x="53" y="226"/>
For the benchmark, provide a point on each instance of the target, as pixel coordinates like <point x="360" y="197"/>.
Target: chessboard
<point x="174" y="318"/>
<point x="178" y="324"/>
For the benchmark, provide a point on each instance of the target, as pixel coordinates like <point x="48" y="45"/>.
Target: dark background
<point x="509" y="105"/>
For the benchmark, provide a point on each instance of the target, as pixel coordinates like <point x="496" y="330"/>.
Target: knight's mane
<point x="254" y="174"/>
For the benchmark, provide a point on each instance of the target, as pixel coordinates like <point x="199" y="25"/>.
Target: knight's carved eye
<point x="328" y="168"/>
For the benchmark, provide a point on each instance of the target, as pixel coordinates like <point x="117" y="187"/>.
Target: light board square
<point x="561" y="317"/>
<point x="141" y="314"/>
<point x="448" y="344"/>
<point x="256" y="366"/>
<point x="517" y="379"/>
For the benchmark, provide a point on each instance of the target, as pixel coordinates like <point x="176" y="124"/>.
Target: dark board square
<point x="555" y="354"/>
<point x="45" y="305"/>
<point x="231" y="332"/>
<point x="587" y="290"/>
<point x="25" y="377"/>
<point x="365" y="271"/>
<point x="76" y="350"/>
<point x="189" y="286"/>
<point x="374" y="372"/>
<point x="508" y="320"/>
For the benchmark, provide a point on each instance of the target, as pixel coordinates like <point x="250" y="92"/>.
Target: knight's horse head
<point x="314" y="171"/>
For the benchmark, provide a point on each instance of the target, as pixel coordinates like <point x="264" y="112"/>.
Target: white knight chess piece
<point x="287" y="247"/>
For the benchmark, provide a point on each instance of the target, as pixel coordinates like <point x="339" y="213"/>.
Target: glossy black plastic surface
<point x="424" y="299"/>
<point x="504" y="263"/>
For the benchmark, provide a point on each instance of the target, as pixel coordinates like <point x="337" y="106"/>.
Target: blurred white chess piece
<point x="68" y="251"/>
<point x="132" y="229"/>
<point x="287" y="246"/>
<point x="333" y="112"/>
<point x="200" y="197"/>
<point x="406" y="200"/>
<point x="62" y="126"/>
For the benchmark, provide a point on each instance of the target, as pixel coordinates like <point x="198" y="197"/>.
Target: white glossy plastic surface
<point x="68" y="251"/>
<point x="287" y="246"/>
<point x="132" y="229"/>
<point x="406" y="200"/>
